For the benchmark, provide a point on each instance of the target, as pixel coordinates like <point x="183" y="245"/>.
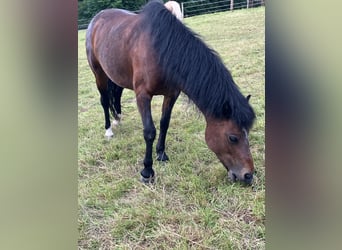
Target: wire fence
<point x="198" y="7"/>
<point x="203" y="7"/>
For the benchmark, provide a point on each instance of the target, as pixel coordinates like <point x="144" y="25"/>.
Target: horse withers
<point x="153" y="53"/>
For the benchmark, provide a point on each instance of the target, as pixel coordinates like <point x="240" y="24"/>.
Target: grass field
<point x="192" y="205"/>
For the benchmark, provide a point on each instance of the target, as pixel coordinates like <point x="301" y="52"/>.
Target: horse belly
<point x="119" y="71"/>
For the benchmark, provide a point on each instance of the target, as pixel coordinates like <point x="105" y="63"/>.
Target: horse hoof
<point x="162" y="157"/>
<point x="149" y="180"/>
<point x="109" y="133"/>
<point x="116" y="122"/>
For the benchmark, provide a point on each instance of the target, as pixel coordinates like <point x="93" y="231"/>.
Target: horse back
<point x="118" y="44"/>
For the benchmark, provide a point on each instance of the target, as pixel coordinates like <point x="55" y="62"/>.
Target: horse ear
<point x="248" y="97"/>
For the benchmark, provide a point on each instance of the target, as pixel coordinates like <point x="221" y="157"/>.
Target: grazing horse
<point x="153" y="53"/>
<point x="175" y="9"/>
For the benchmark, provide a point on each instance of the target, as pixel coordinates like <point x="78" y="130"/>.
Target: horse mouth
<point x="232" y="176"/>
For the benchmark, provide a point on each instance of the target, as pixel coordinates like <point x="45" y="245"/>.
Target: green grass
<point x="192" y="205"/>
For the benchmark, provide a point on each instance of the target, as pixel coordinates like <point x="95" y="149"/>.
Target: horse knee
<point x="149" y="134"/>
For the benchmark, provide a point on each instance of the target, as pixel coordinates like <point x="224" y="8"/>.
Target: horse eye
<point x="233" y="139"/>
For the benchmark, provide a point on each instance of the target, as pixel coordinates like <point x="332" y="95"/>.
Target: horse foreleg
<point x="144" y="105"/>
<point x="168" y="103"/>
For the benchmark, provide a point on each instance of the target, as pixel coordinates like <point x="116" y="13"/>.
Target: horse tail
<point x="114" y="95"/>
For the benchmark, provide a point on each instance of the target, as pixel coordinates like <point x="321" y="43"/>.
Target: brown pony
<point x="153" y="53"/>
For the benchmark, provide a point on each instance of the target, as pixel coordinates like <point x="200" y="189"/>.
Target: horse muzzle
<point x="245" y="178"/>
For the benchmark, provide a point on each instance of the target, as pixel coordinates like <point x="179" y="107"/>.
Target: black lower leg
<point x="117" y="96"/>
<point x="114" y="99"/>
<point x="144" y="104"/>
<point x="164" y="125"/>
<point x="105" y="106"/>
<point x="149" y="136"/>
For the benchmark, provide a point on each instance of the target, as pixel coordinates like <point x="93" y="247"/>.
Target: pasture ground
<point x="192" y="205"/>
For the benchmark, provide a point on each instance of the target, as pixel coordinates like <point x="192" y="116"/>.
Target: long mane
<point x="187" y="62"/>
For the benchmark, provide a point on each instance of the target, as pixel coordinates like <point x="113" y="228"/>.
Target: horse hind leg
<point x="115" y="93"/>
<point x="105" y="105"/>
<point x="102" y="86"/>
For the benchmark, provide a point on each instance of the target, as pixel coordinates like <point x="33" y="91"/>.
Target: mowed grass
<point x="192" y="205"/>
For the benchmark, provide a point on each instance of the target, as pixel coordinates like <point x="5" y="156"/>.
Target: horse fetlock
<point x="162" y="156"/>
<point x="116" y="122"/>
<point x="147" y="175"/>
<point x="149" y="180"/>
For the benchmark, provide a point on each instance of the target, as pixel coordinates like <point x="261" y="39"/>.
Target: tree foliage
<point x="88" y="8"/>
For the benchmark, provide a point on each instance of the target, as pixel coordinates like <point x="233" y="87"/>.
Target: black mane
<point x="188" y="63"/>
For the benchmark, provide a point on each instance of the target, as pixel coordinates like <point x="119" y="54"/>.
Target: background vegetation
<point x="192" y="205"/>
<point x="88" y="8"/>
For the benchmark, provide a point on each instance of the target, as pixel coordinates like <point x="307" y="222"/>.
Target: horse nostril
<point x="248" y="177"/>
